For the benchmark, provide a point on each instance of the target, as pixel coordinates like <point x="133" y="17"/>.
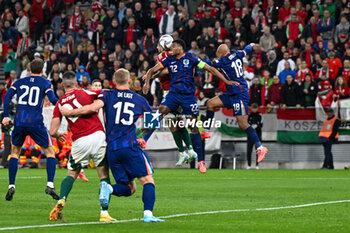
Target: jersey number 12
<point x="118" y="106"/>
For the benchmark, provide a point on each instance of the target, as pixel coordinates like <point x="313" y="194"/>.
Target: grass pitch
<point x="181" y="191"/>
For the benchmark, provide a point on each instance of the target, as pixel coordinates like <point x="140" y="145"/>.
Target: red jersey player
<point x="89" y="141"/>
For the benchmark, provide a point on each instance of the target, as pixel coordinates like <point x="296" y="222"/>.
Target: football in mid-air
<point x="165" y="41"/>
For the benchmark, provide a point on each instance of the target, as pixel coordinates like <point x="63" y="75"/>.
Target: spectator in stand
<point x="310" y="30"/>
<point x="202" y="100"/>
<point x="329" y="6"/>
<point x="255" y="11"/>
<point x="302" y="72"/>
<point x="149" y="43"/>
<point x="22" y="22"/>
<point x="76" y="21"/>
<point x="281" y="66"/>
<point x="345" y="71"/>
<point x="325" y="71"/>
<point x="294" y="28"/>
<point x="290" y="95"/>
<point x="274" y="93"/>
<point x="284" y="11"/>
<point x="120" y="13"/>
<point x="308" y="55"/>
<point x="341" y="89"/>
<point x="81" y="72"/>
<point x="259" y="53"/>
<point x="309" y="91"/>
<point x="272" y="61"/>
<point x="64" y="57"/>
<point x="57" y="7"/>
<point x="207" y="20"/>
<point x="326" y="94"/>
<point x="194" y="48"/>
<point x="10" y="61"/>
<point x="83" y="56"/>
<point x="248" y="72"/>
<point x="286" y="72"/>
<point x="23" y="45"/>
<point x="190" y="32"/>
<point x="10" y="79"/>
<point x="151" y="17"/>
<point x="326" y="26"/>
<point x="237" y="33"/>
<point x="253" y="36"/>
<point x="280" y="33"/>
<point x="220" y="32"/>
<point x="257" y="93"/>
<point x="162" y="10"/>
<point x="267" y="41"/>
<point x="271" y="12"/>
<point x="343" y="28"/>
<point x="168" y="23"/>
<point x="70" y="43"/>
<point x="3" y="92"/>
<point x="209" y="42"/>
<point x="98" y="37"/>
<point x="114" y="35"/>
<point x="334" y="63"/>
<point x="10" y="33"/>
<point x="132" y="33"/>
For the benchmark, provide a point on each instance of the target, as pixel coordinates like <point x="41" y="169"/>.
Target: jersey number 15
<point x="118" y="106"/>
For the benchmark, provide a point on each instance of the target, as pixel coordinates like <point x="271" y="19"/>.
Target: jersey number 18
<point x="237" y="65"/>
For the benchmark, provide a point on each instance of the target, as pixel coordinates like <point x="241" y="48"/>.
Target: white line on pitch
<point x="175" y="215"/>
<point x="28" y="177"/>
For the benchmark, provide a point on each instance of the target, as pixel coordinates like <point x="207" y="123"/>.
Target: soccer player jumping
<point x="29" y="121"/>
<point x="125" y="157"/>
<point x="182" y="88"/>
<point x="236" y="97"/>
<point x="89" y="142"/>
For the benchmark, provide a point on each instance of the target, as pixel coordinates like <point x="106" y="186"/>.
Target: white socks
<point x="50" y="184"/>
<point x="148" y="213"/>
<point x="11" y="186"/>
<point x="104" y="212"/>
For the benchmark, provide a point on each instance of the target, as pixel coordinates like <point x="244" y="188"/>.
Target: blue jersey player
<point x="29" y="121"/>
<point x="181" y="67"/>
<point x="236" y="97"/>
<point x="125" y="157"/>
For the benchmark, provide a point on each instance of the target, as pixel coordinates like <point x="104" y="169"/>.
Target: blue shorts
<point x="129" y="163"/>
<point x="187" y="102"/>
<point x="39" y="134"/>
<point x="238" y="102"/>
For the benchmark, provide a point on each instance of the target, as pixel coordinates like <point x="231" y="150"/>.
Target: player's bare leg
<point x="50" y="170"/>
<point x="148" y="198"/>
<point x="13" y="166"/>
<point x="197" y="143"/>
<point x="66" y="187"/>
<point x="243" y="124"/>
<point x="212" y="104"/>
<point x="105" y="193"/>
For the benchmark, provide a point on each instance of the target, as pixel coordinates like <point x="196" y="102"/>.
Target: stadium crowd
<point x="302" y="50"/>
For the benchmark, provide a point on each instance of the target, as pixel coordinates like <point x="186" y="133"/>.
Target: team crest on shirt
<point x="186" y="62"/>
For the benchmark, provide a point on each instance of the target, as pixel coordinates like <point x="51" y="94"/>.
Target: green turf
<point x="187" y="191"/>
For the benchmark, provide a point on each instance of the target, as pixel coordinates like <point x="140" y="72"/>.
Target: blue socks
<point x="253" y="136"/>
<point x="210" y="116"/>
<point x="50" y="169"/>
<point x="13" y="166"/>
<point x="121" y="190"/>
<point x="197" y="145"/>
<point x="148" y="196"/>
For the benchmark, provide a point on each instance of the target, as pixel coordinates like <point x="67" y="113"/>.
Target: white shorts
<point x="92" y="146"/>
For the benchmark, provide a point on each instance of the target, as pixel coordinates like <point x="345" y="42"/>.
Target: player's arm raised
<point x="149" y="75"/>
<point x="85" y="110"/>
<point x="216" y="73"/>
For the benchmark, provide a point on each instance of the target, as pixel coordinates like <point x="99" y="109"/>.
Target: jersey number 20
<point x="237" y="65"/>
<point x="33" y="98"/>
<point x="118" y="106"/>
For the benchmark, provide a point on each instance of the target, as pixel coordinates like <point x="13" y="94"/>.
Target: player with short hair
<point x="180" y="134"/>
<point x="182" y="88"/>
<point x="96" y="84"/>
<point x="125" y="157"/>
<point x="89" y="141"/>
<point x="236" y="97"/>
<point x="28" y="120"/>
